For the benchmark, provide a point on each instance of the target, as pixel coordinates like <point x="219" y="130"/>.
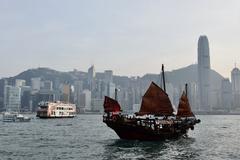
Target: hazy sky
<point x="131" y="37"/>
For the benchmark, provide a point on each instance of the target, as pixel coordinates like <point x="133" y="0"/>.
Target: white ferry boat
<point x="56" y="110"/>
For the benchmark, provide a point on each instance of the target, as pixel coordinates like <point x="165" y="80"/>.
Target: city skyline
<point x="208" y="90"/>
<point x="135" y="37"/>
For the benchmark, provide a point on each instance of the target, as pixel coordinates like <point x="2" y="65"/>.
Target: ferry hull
<point x="52" y="117"/>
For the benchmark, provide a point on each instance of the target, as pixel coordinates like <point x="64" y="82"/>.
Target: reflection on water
<point x="180" y="148"/>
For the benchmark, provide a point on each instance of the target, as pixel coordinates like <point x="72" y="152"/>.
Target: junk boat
<point x="56" y="110"/>
<point x="14" y="117"/>
<point x="155" y="120"/>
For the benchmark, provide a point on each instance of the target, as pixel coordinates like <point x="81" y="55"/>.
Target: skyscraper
<point x="235" y="77"/>
<point x="36" y="83"/>
<point x="203" y="73"/>
<point x="85" y="101"/>
<point x="78" y="88"/>
<point x="108" y="76"/>
<point x="226" y="95"/>
<point x="66" y="91"/>
<point x="91" y="78"/>
<point x="12" y="98"/>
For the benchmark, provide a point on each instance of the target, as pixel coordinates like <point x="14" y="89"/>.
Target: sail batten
<point x="184" y="109"/>
<point x="156" y="101"/>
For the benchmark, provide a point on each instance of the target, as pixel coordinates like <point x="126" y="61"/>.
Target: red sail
<point x="156" y="101"/>
<point x="184" y="109"/>
<point x="111" y="105"/>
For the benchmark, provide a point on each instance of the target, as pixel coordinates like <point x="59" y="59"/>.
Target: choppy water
<point x="86" y="137"/>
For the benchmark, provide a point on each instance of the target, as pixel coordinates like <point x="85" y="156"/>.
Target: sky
<point x="131" y="37"/>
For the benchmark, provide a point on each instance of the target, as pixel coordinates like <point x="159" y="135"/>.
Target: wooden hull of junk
<point x="155" y="119"/>
<point x="145" y="129"/>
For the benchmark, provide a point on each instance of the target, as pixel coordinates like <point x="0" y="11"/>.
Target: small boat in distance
<point x="155" y="120"/>
<point x="56" y="110"/>
<point x="14" y="117"/>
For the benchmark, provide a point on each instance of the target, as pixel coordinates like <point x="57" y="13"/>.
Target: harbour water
<point x="87" y="137"/>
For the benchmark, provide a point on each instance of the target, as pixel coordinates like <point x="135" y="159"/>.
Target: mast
<point x="163" y="78"/>
<point x="116" y="90"/>
<point x="186" y="89"/>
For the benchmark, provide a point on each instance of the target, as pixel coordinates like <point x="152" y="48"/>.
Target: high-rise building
<point x="66" y="91"/>
<point x="108" y="76"/>
<point x="97" y="105"/>
<point x="85" y="101"/>
<point x="192" y="95"/>
<point x="111" y="90"/>
<point x="91" y="77"/>
<point x="20" y="82"/>
<point x="235" y="77"/>
<point x="203" y="73"/>
<point x="78" y="88"/>
<point x="25" y="98"/>
<point x="226" y="95"/>
<point x="47" y="85"/>
<point x="36" y="83"/>
<point x="12" y="98"/>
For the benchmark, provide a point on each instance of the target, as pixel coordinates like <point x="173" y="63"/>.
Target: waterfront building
<point x="85" y="101"/>
<point x="12" y="98"/>
<point x="3" y="83"/>
<point x="226" y="95"/>
<point x="192" y="95"/>
<point x="100" y="89"/>
<point x="25" y="98"/>
<point x="97" y="105"/>
<point x="78" y="88"/>
<point x="216" y="99"/>
<point x="66" y="91"/>
<point x="111" y="90"/>
<point x="203" y="73"/>
<point x="42" y="95"/>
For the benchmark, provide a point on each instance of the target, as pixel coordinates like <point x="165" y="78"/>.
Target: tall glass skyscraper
<point x="203" y="73"/>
